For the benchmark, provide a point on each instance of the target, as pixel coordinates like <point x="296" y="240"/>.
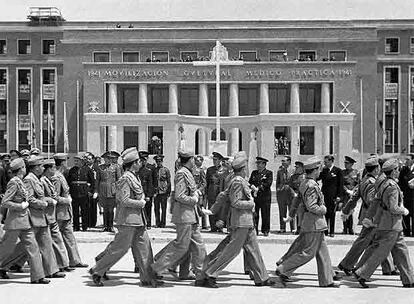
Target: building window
<point x="278" y="55"/>
<point x="307" y="141"/>
<point x="279" y="98"/>
<point x="129" y="101"/>
<point x="411" y="120"/>
<point x="307" y="55"/>
<point x="48" y="109"/>
<point x="337" y="55"/>
<point x="48" y="47"/>
<point x="392" y="45"/>
<point x="188" y="56"/>
<point x="24" y="47"/>
<point x="159" y="56"/>
<point x="391" y="100"/>
<point x="281" y="141"/>
<point x="155" y="139"/>
<point x="310" y="98"/>
<point x="3" y="110"/>
<point x="3" y="46"/>
<point x="130" y="56"/>
<point x="101" y="57"/>
<point x="224" y="100"/>
<point x="412" y="45"/>
<point x="249" y="100"/>
<point x="188" y="100"/>
<point x="158" y="98"/>
<point x="248" y="55"/>
<point x="26" y="134"/>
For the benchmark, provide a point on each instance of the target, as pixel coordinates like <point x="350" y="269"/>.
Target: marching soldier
<point x="242" y="233"/>
<point x="262" y="179"/>
<point x="351" y="182"/>
<point x="17" y="225"/>
<point x="312" y="235"/>
<point x="106" y="179"/>
<point x="81" y="181"/>
<point x="64" y="214"/>
<point x="185" y="217"/>
<point x="130" y="221"/>
<point x="213" y="187"/>
<point x="389" y="236"/>
<point x="284" y="192"/>
<point x="162" y="191"/>
<point x="38" y="206"/>
<point x="147" y="178"/>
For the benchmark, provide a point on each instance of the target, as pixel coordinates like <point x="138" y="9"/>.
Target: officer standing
<point x="351" y="182"/>
<point x="406" y="183"/>
<point x="295" y="180"/>
<point x="92" y="162"/>
<point x="262" y="180"/>
<point x="162" y="191"/>
<point x="200" y="179"/>
<point x="81" y="180"/>
<point x="185" y="217"/>
<point x="130" y="221"/>
<point x="312" y="235"/>
<point x="213" y="187"/>
<point x="332" y="189"/>
<point x="389" y="236"/>
<point x="17" y="225"/>
<point x="147" y="178"/>
<point x="64" y="214"/>
<point x="106" y="178"/>
<point x="284" y="192"/>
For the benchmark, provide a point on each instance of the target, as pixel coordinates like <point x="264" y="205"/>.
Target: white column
<point x="294" y="130"/>
<point x="345" y="139"/>
<point x="143" y="99"/>
<point x="143" y="138"/>
<point x="173" y="99"/>
<point x="264" y="98"/>
<point x="93" y="138"/>
<point x="325" y="108"/>
<point x="112" y="108"/>
<point x="234" y="112"/>
<point x="202" y="111"/>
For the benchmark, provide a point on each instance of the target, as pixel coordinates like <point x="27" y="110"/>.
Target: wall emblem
<point x="345" y="106"/>
<point x="93" y="107"/>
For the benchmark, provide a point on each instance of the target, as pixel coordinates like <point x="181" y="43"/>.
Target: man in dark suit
<point x="148" y="181"/>
<point x="407" y="174"/>
<point x="332" y="189"/>
<point x="262" y="179"/>
<point x="213" y="186"/>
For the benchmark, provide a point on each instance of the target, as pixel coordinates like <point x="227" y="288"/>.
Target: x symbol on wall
<point x="345" y="107"/>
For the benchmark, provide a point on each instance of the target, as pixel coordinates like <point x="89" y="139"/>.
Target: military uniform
<point x="407" y="174"/>
<point x="389" y="236"/>
<point x="201" y="182"/>
<point x="17" y="226"/>
<point x="351" y="181"/>
<point x="185" y="217"/>
<point x="294" y="182"/>
<point x="213" y="189"/>
<point x="162" y="192"/>
<point x="312" y="235"/>
<point x="131" y="223"/>
<point x="263" y="181"/>
<point x="284" y="195"/>
<point x="147" y="178"/>
<point x="106" y="178"/>
<point x="81" y="183"/>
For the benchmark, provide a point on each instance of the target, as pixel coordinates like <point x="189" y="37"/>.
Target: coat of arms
<point x="93" y="107"/>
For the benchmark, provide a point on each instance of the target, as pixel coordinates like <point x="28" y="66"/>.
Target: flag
<point x="65" y="131"/>
<point x="32" y="127"/>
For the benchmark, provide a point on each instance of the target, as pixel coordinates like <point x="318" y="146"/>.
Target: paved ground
<point x="235" y="287"/>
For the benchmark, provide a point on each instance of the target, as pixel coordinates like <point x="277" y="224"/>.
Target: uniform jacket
<point x="392" y="206"/>
<point x="201" y="182"/>
<point x="295" y="180"/>
<point x="162" y="178"/>
<point x="332" y="184"/>
<point x="147" y="178"/>
<point x="184" y="204"/>
<point x="106" y="177"/>
<point x="50" y="192"/>
<point x="241" y="204"/>
<point x="406" y="175"/>
<point x="17" y="217"/>
<point x="81" y="181"/>
<point x="130" y="201"/>
<point x="64" y="201"/>
<point x="374" y="212"/>
<point x="283" y="176"/>
<point x="213" y="183"/>
<point x="262" y="180"/>
<point x="313" y="200"/>
<point x="351" y="181"/>
<point x="36" y="199"/>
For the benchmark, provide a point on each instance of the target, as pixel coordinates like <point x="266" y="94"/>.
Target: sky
<point x="176" y="10"/>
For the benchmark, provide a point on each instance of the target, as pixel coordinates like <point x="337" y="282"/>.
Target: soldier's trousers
<point x="28" y="240"/>
<point x="313" y="244"/>
<point x="385" y="242"/>
<point x="294" y="247"/>
<point x="240" y="238"/>
<point x="92" y="212"/>
<point x="212" y="218"/>
<point x="330" y="217"/>
<point x="184" y="263"/>
<point x="284" y="200"/>
<point x="126" y="237"/>
<point x="66" y="229"/>
<point x="408" y="220"/>
<point x="262" y="208"/>
<point x="148" y="211"/>
<point x="188" y="239"/>
<point x="108" y="204"/>
<point x="160" y="204"/>
<point x="348" y="225"/>
<point x="81" y="203"/>
<point x="134" y="251"/>
<point x="358" y="247"/>
<point x="44" y="240"/>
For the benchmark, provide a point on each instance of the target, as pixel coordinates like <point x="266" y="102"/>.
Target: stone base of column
<point x="112" y="138"/>
<point x="234" y="140"/>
